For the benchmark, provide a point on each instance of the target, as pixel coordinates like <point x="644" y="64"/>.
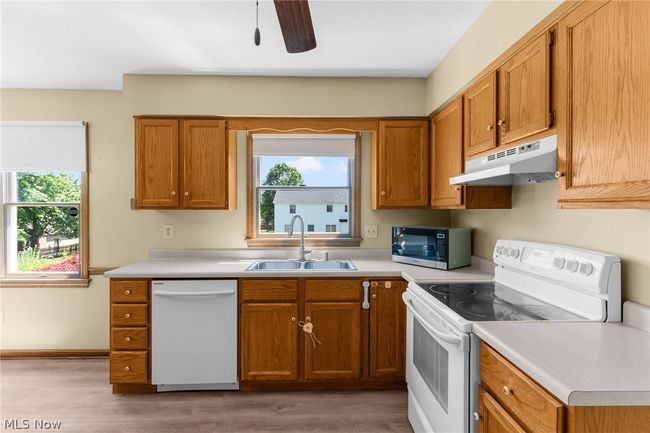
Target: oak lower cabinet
<point x="511" y="402"/>
<point x="130" y="336"/>
<point x="400" y="168"/>
<point x="603" y="134"/>
<point x="447" y="161"/>
<point x="184" y="163"/>
<point x="315" y="332"/>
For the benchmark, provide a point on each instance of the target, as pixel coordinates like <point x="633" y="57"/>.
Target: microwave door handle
<point x="444" y="336"/>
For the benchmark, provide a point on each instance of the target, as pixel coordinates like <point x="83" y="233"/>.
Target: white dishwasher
<point x="194" y="334"/>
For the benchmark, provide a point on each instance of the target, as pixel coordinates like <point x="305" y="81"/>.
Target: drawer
<point x="129" y="338"/>
<point x="268" y="290"/>
<point x="128" y="367"/>
<point x="129" y="314"/>
<point x="129" y="290"/>
<point x="532" y="406"/>
<point x="333" y="290"/>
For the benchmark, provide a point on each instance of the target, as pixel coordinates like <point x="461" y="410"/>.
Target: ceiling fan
<point x="295" y="22"/>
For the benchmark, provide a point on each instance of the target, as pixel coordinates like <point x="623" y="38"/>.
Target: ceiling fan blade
<point x="295" y="22"/>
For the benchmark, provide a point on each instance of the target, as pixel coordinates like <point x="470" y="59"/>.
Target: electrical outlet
<point x="168" y="231"/>
<point x="370" y="232"/>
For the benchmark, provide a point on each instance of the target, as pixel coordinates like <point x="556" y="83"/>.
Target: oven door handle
<point x="449" y="337"/>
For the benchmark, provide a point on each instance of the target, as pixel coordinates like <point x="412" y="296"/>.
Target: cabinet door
<point x="603" y="134"/>
<point x="479" y="112"/>
<point x="524" y="92"/>
<point x="387" y="329"/>
<point x="337" y="325"/>
<point x="493" y="418"/>
<point x="204" y="164"/>
<point x="156" y="163"/>
<point x="401" y="164"/>
<point x="269" y="341"/>
<point x="447" y="155"/>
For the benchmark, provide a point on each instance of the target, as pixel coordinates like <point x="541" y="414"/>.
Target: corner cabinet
<point x="353" y="347"/>
<point x="400" y="169"/>
<point x="184" y="164"/>
<point x="447" y="161"/>
<point x="603" y="136"/>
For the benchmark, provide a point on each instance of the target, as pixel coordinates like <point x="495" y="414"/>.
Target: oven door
<point x="437" y="371"/>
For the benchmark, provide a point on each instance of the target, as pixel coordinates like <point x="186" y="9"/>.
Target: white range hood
<point x="533" y="162"/>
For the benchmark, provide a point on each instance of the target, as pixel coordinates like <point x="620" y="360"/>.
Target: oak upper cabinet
<point x="184" y="164"/>
<point x="268" y="329"/>
<point x="400" y="168"/>
<point x="204" y="164"/>
<point x="524" y="91"/>
<point x="447" y="161"/>
<point x="479" y="108"/>
<point x="604" y="82"/>
<point x="387" y="329"/>
<point x="156" y="163"/>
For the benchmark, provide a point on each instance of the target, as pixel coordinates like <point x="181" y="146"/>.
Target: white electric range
<point x="533" y="282"/>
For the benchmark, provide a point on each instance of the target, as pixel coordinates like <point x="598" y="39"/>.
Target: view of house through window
<point x="42" y="213"/>
<point x="304" y="175"/>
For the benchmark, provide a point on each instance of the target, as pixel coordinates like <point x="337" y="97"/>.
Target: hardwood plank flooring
<point x="76" y="392"/>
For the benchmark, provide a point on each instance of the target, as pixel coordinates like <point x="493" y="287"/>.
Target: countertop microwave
<point x="434" y="247"/>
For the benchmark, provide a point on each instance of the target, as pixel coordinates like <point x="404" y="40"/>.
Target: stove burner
<point x="448" y="289"/>
<point x="476" y="307"/>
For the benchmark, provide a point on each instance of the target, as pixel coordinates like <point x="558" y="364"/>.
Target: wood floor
<point x="76" y="392"/>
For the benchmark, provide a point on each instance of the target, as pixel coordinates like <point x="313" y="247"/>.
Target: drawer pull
<point x="127" y="339"/>
<point x="507" y="390"/>
<point x="127" y="368"/>
<point x="127" y="316"/>
<point x="127" y="292"/>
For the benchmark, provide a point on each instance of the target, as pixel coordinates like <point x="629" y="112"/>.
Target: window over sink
<point x="311" y="175"/>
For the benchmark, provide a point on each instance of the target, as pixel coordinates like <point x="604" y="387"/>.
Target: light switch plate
<point x="168" y="231"/>
<point x="370" y="232"/>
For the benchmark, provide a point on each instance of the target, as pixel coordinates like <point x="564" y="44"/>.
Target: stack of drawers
<point x="130" y="331"/>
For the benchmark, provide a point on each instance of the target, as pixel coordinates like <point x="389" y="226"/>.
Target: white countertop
<point x="236" y="268"/>
<point x="582" y="364"/>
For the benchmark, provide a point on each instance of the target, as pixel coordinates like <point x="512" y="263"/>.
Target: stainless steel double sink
<point x="308" y="265"/>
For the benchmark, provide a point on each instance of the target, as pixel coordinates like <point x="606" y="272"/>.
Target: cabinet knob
<point x="127" y="339"/>
<point x="373" y="284"/>
<point x="501" y="122"/>
<point x="308" y="319"/>
<point x="388" y="284"/>
<point x="127" y="292"/>
<point x="173" y="192"/>
<point x="293" y="319"/>
<point x="457" y="188"/>
<point x="127" y="368"/>
<point x="489" y="127"/>
<point x="383" y="193"/>
<point x="186" y="193"/>
<point x="507" y="390"/>
<point x="127" y="316"/>
<point x="374" y="296"/>
<point x="558" y="174"/>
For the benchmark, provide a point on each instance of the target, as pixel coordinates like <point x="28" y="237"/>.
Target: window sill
<point x="309" y="242"/>
<point x="45" y="282"/>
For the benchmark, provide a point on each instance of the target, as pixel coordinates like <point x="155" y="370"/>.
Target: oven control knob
<point x="506" y="251"/>
<point x="514" y="252"/>
<point x="586" y="268"/>
<point x="499" y="249"/>
<point x="572" y="265"/>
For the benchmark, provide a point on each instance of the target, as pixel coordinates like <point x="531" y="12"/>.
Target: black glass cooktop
<point x="480" y="302"/>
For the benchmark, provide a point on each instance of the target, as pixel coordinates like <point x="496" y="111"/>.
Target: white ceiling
<point x="89" y="45"/>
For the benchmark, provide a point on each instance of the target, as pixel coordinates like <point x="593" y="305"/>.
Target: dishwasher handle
<point x="181" y="294"/>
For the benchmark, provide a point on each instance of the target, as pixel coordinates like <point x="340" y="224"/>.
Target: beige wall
<point x="534" y="215"/>
<point x="499" y="26"/>
<point x="78" y="318"/>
